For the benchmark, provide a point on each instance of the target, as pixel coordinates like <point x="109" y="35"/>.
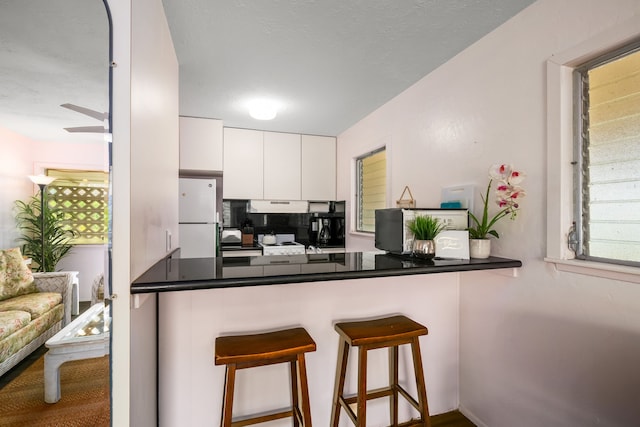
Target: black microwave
<point x="393" y="235"/>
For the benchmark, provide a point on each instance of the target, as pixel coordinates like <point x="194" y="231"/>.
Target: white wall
<point x="545" y="348"/>
<point x="191" y="385"/>
<point x="15" y="164"/>
<point x="145" y="194"/>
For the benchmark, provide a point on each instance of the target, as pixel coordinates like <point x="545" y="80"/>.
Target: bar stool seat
<point x="367" y="335"/>
<point x="248" y="351"/>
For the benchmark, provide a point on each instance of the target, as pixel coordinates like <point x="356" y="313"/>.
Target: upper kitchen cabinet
<point x="200" y="144"/>
<point x="281" y="166"/>
<point x="318" y="168"/>
<point x="243" y="164"/>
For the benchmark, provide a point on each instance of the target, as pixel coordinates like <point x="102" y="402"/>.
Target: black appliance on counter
<point x="326" y="231"/>
<point x="392" y="233"/>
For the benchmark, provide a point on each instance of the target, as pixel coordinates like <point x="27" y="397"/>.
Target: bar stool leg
<point x="362" y="387"/>
<point x="227" y="398"/>
<point x="304" y="390"/>
<point x="422" y="390"/>
<point x="343" y="357"/>
<point x="295" y="404"/>
<point x="393" y="383"/>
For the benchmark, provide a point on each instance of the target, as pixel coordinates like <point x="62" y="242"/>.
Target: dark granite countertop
<point x="178" y="274"/>
<point x="239" y="247"/>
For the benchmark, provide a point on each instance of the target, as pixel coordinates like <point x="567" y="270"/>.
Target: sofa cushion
<point x="35" y="304"/>
<point x="16" y="341"/>
<point x="11" y="321"/>
<point x="15" y="276"/>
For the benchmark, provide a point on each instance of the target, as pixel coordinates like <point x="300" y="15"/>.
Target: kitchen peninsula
<point x="179" y="274"/>
<point x="200" y="299"/>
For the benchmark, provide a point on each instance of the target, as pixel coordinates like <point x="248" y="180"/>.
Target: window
<point x="371" y="188"/>
<point x="83" y="198"/>
<point x="607" y="158"/>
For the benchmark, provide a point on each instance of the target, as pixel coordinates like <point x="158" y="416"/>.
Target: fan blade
<point x="89" y="129"/>
<point x="86" y="111"/>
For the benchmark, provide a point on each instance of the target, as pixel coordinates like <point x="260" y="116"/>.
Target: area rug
<point x="84" y="388"/>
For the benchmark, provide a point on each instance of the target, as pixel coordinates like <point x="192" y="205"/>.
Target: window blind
<point x="611" y="160"/>
<point x="372" y="188"/>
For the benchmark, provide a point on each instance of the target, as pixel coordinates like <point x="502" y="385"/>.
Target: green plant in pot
<point x="53" y="235"/>
<point x="424" y="228"/>
<point x="507" y="196"/>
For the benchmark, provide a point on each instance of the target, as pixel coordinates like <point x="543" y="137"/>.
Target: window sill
<point x="362" y="233"/>
<point x="597" y="269"/>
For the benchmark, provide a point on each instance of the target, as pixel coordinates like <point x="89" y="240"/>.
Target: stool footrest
<point x="345" y="402"/>
<point x="371" y="395"/>
<point x="262" y="417"/>
<point x="382" y="392"/>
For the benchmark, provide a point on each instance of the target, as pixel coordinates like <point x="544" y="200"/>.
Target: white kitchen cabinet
<point x="243" y="164"/>
<point x="318" y="168"/>
<point x="281" y="166"/>
<point x="278" y="166"/>
<point x="200" y="144"/>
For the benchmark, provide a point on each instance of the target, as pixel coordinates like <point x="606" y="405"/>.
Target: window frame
<point x="358" y="192"/>
<point x="560" y="129"/>
<point x="578" y="234"/>
<point x="80" y="240"/>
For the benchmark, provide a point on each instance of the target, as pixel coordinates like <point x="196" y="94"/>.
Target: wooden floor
<point x="451" y="419"/>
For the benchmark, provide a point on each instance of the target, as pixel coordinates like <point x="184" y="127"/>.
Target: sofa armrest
<point x="61" y="282"/>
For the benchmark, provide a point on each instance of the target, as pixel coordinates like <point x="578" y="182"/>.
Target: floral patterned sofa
<point x="33" y="307"/>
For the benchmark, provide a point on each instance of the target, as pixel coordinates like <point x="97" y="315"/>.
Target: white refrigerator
<point x="197" y="218"/>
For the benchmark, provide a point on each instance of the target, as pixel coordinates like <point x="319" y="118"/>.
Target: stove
<point x="285" y="245"/>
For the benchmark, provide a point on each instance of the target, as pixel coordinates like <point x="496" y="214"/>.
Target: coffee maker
<point x="327" y="228"/>
<point x="326" y="231"/>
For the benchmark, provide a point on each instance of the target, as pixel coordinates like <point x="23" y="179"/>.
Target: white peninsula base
<point x="190" y="386"/>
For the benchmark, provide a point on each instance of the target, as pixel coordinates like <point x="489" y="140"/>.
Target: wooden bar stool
<point x="248" y="351"/>
<point x="367" y="335"/>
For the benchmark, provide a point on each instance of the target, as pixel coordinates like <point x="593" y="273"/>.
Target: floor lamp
<point x="42" y="181"/>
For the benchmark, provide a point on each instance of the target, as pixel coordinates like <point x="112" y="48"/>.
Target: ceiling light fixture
<point x="263" y="109"/>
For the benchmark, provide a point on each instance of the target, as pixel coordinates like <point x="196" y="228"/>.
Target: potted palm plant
<point x="424" y="228"/>
<point x="46" y="244"/>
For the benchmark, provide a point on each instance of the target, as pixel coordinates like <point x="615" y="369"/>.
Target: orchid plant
<point x="507" y="195"/>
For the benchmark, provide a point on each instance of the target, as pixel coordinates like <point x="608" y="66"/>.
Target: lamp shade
<point x="42" y="179"/>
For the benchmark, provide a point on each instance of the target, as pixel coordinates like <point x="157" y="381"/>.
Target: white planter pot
<point x="479" y="248"/>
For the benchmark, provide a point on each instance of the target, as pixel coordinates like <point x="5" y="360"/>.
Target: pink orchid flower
<point x="507" y="194"/>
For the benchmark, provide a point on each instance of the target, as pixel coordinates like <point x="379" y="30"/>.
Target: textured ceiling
<point x="51" y="53"/>
<point x="329" y="62"/>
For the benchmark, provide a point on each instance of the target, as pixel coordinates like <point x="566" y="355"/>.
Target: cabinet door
<point x="281" y="166"/>
<point x="200" y="144"/>
<point x="318" y="168"/>
<point x="243" y="170"/>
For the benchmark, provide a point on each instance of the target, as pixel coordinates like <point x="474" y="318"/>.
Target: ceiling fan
<point x="91" y="113"/>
